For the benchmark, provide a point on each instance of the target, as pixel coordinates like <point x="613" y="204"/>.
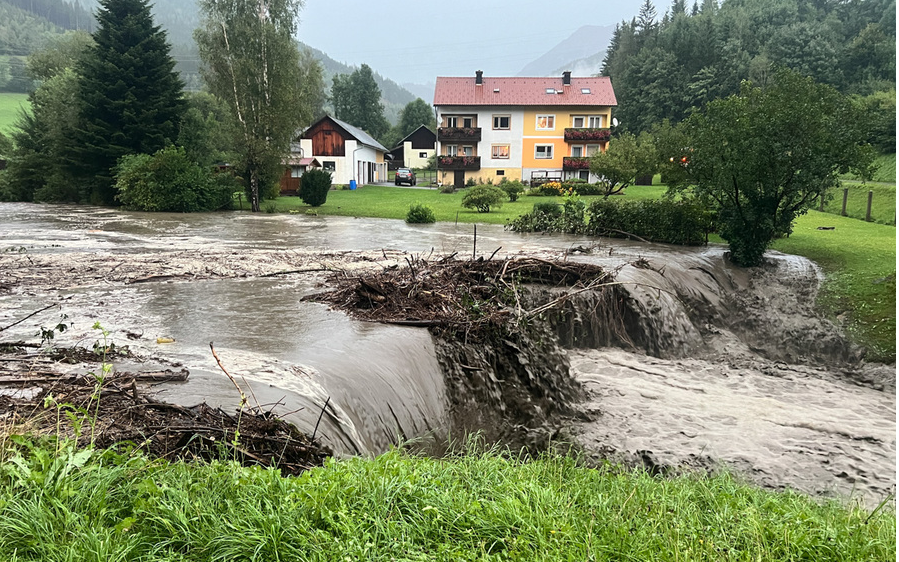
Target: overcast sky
<point x="418" y="41"/>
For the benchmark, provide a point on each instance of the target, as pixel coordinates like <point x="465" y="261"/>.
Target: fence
<point x="869" y="203"/>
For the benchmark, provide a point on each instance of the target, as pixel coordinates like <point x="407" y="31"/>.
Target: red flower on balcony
<point x="596" y="135"/>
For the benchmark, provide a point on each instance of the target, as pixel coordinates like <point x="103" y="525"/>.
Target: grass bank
<point x="883" y="201"/>
<point x="9" y="109"/>
<point x="83" y="505"/>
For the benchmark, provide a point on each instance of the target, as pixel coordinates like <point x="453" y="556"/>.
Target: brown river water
<point x="721" y="366"/>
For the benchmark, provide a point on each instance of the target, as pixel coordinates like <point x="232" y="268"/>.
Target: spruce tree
<point x="131" y="97"/>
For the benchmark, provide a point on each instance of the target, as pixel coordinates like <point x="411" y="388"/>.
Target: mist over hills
<point x="29" y="23"/>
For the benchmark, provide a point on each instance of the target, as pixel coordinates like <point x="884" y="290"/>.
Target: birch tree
<point x="251" y="61"/>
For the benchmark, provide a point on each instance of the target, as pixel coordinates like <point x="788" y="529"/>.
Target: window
<point x="468" y="122"/>
<point x="595" y="121"/>
<point x="584" y="175"/>
<point x="500" y="150"/>
<point x="297" y="171"/>
<point x="451" y="150"/>
<point x="577" y="122"/>
<point x="546" y="122"/>
<point x="585" y="90"/>
<point x="467" y="151"/>
<point x="543" y="151"/>
<point x="500" y="172"/>
<point x="296" y="149"/>
<point x="577" y="151"/>
<point x="452" y="121"/>
<point x="592" y="149"/>
<point x="329" y="165"/>
<point x="550" y="90"/>
<point x="422" y="154"/>
<point x="501" y="121"/>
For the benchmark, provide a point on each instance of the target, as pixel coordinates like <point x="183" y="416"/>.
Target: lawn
<point x="102" y="506"/>
<point x="883" y="201"/>
<point x="858" y="258"/>
<point x="9" y="109"/>
<point x="390" y="202"/>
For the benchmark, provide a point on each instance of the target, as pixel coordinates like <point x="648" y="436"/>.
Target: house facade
<point x="414" y="150"/>
<point x="349" y="153"/>
<point x="531" y="129"/>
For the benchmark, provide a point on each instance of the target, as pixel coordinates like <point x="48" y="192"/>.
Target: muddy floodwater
<point x="721" y="366"/>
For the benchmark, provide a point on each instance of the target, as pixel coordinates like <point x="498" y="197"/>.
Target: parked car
<point x="404" y="175"/>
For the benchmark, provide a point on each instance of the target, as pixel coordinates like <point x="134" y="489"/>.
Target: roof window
<point x="585" y="90"/>
<point x="550" y="90"/>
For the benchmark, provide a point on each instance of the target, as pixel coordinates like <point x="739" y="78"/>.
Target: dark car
<point x="404" y="175"/>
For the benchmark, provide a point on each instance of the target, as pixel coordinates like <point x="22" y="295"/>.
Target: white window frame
<point x="452" y="121"/>
<point x="297" y="171"/>
<point x="329" y="165"/>
<point x="451" y="150"/>
<point x="574" y="119"/>
<point x="594" y="147"/>
<point x="547" y="154"/>
<point x="470" y="121"/>
<point x="508" y="119"/>
<point x="583" y="174"/>
<point x="579" y="148"/>
<point x="592" y="119"/>
<point x="550" y="122"/>
<point x="493" y="151"/>
<point x="467" y="150"/>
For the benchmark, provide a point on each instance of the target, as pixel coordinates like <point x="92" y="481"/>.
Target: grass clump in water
<point x="108" y="506"/>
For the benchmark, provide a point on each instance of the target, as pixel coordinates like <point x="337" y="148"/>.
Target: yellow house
<point x="532" y="129"/>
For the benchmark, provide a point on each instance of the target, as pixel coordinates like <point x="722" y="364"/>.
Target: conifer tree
<point x="131" y="97"/>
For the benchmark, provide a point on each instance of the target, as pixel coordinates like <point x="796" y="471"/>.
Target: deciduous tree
<point x="357" y="100"/>
<point x="251" y="61"/>
<point x="763" y="157"/>
<point x="626" y="158"/>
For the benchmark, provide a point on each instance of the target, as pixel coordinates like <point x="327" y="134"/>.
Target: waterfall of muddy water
<point x="704" y="363"/>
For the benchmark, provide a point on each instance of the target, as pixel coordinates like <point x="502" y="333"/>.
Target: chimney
<point x="479" y="78"/>
<point x="566" y="78"/>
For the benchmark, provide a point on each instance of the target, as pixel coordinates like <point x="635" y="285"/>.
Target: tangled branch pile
<point x="453" y="294"/>
<point x="117" y="411"/>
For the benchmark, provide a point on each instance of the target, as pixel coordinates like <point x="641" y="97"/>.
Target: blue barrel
<point x="352" y="184"/>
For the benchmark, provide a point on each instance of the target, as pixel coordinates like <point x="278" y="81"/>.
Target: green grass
<point x="859" y="260"/>
<point x="9" y="109"/>
<point x="400" y="507"/>
<point x="885" y="169"/>
<point x="389" y="202"/>
<point x="883" y="202"/>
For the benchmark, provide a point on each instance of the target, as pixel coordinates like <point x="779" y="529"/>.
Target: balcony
<point x="587" y="135"/>
<point x="575" y="163"/>
<point x="459" y="162"/>
<point x="459" y="134"/>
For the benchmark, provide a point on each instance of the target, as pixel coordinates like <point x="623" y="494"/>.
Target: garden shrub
<point x="513" y="189"/>
<point x="663" y="220"/>
<point x="315" y="186"/>
<point x="170" y="181"/>
<point x="482" y="197"/>
<point x="420" y="214"/>
<point x="471" y="182"/>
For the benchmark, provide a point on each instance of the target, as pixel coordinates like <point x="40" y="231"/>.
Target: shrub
<point x="482" y="197"/>
<point x="550" y="189"/>
<point x="420" y="214"/>
<point x="169" y="181"/>
<point x="315" y="186"/>
<point x="471" y="182"/>
<point x="664" y="220"/>
<point x="512" y="189"/>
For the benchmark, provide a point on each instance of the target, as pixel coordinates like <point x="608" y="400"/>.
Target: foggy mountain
<point x="582" y="53"/>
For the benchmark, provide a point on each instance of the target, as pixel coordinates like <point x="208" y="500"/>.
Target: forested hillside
<point x="25" y="26"/>
<point x="662" y="66"/>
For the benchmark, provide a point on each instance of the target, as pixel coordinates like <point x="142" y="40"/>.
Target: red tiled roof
<point x="523" y="91"/>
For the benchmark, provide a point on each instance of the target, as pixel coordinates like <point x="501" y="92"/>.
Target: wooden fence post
<point x="845" y="198"/>
<point x="870" y="199"/>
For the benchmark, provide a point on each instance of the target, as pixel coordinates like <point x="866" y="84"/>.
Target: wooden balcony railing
<point x="461" y="134"/>
<point x="459" y="162"/>
<point x="587" y="135"/>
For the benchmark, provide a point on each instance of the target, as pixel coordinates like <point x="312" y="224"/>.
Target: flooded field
<point x="718" y="366"/>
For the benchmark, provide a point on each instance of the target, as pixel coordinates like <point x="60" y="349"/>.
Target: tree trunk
<point x="254" y="190"/>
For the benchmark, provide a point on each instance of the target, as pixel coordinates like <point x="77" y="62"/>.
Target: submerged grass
<point x="402" y="507"/>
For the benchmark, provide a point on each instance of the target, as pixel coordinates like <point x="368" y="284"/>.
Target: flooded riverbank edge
<point x="767" y="387"/>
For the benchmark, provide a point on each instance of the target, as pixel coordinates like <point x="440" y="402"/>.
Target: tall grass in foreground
<point x="398" y="507"/>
